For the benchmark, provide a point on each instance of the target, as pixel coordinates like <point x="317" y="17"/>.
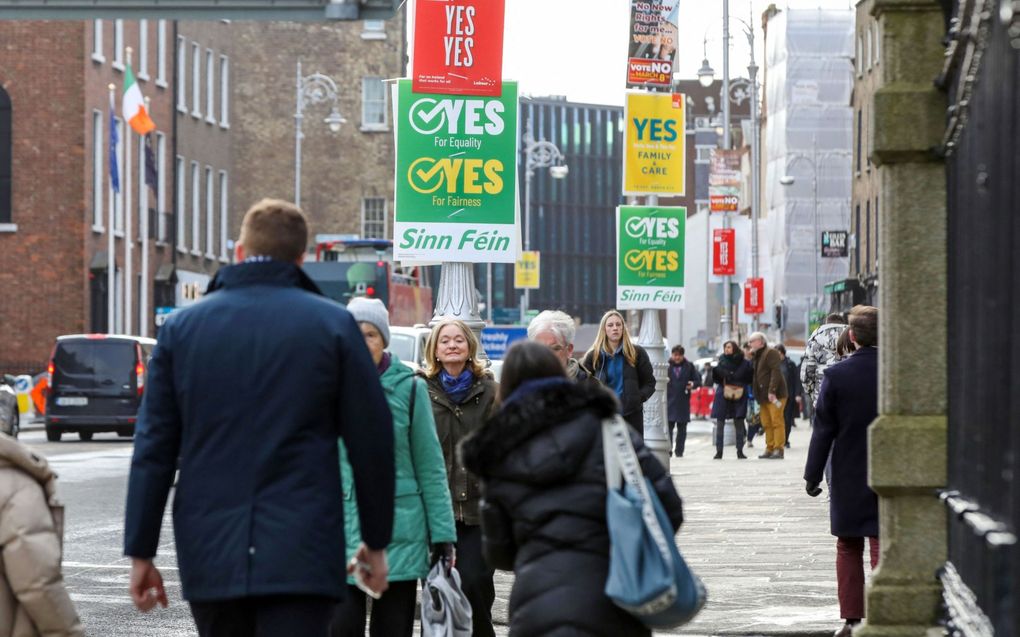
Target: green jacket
<point x="423" y="514"/>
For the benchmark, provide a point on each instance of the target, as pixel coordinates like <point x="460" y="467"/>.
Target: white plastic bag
<point x="445" y="611"/>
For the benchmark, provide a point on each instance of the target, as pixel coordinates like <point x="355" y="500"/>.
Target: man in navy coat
<point x="847" y="405"/>
<point x="247" y="393"/>
<point x="683" y="378"/>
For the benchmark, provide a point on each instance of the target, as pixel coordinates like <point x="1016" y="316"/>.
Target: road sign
<point x="527" y="270"/>
<point x="291" y="10"/>
<point x="497" y="339"/>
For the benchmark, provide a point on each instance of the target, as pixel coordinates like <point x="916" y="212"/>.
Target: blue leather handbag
<point x="647" y="575"/>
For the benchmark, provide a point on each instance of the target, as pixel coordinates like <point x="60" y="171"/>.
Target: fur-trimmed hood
<point x="542" y="436"/>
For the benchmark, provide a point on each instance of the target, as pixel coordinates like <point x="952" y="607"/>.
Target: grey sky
<point x="578" y="48"/>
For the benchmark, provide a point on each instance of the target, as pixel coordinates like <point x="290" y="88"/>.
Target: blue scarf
<point x="535" y="384"/>
<point x="457" y="387"/>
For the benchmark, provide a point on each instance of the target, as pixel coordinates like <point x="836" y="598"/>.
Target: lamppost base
<point x="456" y="299"/>
<point x="656" y="435"/>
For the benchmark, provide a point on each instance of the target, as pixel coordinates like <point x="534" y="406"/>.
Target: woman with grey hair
<point x="556" y="330"/>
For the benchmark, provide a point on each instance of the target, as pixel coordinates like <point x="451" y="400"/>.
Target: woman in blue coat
<point x="733" y="372"/>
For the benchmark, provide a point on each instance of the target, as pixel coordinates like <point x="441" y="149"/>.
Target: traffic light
<point x="778" y="322"/>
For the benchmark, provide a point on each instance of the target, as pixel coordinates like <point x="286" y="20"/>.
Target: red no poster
<point x="724" y="244"/>
<point x="754" y="296"/>
<point x="458" y="47"/>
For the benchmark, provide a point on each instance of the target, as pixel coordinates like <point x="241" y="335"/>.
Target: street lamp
<point x="311" y="90"/>
<point x="537" y="154"/>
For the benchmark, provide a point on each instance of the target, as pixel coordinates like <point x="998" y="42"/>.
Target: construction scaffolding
<point x="809" y="137"/>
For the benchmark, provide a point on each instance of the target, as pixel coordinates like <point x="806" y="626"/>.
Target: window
<point x="98" y="155"/>
<point x="118" y="211"/>
<point x="182" y="80"/>
<point x="877" y="231"/>
<point x="373" y="104"/>
<point x="373" y="30"/>
<point x="878" y="44"/>
<point x="118" y="45"/>
<point x="179" y="208"/>
<point x="97" y="41"/>
<point x="161" y="53"/>
<point x="196" y="80"/>
<point x="373" y="218"/>
<point x="143" y="49"/>
<point x="857" y="237"/>
<point x="859" y="59"/>
<point x="210" y="216"/>
<point x="210" y="116"/>
<point x="224" y="213"/>
<point x="867" y="236"/>
<point x="224" y="91"/>
<point x="6" y="154"/>
<point x="161" y="187"/>
<point x="858" y="142"/>
<point x="196" y="209"/>
<point x="867" y="50"/>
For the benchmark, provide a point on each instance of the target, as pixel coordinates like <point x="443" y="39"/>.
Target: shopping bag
<point x="445" y="610"/>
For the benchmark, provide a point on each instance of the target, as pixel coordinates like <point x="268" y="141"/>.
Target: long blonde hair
<point x="432" y="364"/>
<point x="601" y="344"/>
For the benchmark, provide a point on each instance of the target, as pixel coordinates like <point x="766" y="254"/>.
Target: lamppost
<point x="311" y="90"/>
<point x="789" y="180"/>
<point x="537" y="154"/>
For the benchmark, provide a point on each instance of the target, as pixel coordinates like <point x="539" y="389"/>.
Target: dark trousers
<point x="636" y="420"/>
<point x="850" y="574"/>
<point x="392" y="614"/>
<point x="720" y="424"/>
<point x="789" y="415"/>
<point x="681" y="436"/>
<point x="268" y="616"/>
<point x="475" y="579"/>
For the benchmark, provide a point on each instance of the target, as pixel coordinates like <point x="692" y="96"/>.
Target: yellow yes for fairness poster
<point x="654" y="144"/>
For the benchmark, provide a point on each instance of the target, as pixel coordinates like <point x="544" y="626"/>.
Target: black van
<point x="96" y="384"/>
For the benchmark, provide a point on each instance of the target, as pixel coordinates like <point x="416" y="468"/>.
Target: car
<point x="408" y="343"/>
<point x="10" y="419"/>
<point x="96" y="384"/>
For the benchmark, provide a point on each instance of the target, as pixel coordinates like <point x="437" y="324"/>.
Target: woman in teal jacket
<point x="423" y="516"/>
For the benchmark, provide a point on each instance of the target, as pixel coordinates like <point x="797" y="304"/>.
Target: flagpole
<point x="143" y="292"/>
<point x="111" y="255"/>
<point x="128" y="213"/>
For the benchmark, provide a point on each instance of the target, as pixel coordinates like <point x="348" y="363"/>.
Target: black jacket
<point x="728" y="372"/>
<point x="544" y="509"/>
<point x="847" y="405"/>
<point x="793" y="385"/>
<point x="248" y="391"/>
<point x="678" y="399"/>
<point x="638" y="380"/>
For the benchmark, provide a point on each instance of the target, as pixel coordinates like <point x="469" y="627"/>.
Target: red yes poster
<point x="724" y="244"/>
<point x="458" y="47"/>
<point x="754" y="296"/>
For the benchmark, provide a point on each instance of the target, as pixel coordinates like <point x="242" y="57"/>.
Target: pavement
<point x="759" y="543"/>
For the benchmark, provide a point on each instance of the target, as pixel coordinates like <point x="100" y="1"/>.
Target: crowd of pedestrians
<point x="442" y="468"/>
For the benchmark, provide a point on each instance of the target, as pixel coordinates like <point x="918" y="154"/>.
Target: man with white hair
<point x="556" y="330"/>
<point x="769" y="388"/>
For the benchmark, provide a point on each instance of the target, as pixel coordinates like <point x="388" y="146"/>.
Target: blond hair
<point x="276" y="229"/>
<point x="432" y="364"/>
<point x="601" y="344"/>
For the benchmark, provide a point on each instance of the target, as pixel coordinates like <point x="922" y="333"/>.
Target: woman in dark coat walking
<point x="544" y="510"/>
<point x="847" y="405"/>
<point x="735" y="372"/>
<point x="623" y="367"/>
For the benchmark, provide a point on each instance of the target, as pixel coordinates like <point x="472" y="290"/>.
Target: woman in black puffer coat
<point x="544" y="498"/>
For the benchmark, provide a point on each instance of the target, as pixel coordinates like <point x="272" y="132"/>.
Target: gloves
<point x="812" y="488"/>
<point x="445" y="551"/>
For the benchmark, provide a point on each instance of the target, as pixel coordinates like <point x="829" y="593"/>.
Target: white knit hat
<point x="371" y="311"/>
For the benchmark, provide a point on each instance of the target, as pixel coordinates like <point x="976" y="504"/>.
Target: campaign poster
<point x="654" y="154"/>
<point x="650" y="257"/>
<point x="458" y="47"/>
<point x="653" y="43"/>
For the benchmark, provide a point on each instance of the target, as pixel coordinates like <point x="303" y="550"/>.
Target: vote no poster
<point x="653" y="43"/>
<point x="456" y="177"/>
<point x="654" y="145"/>
<point x="650" y="257"/>
<point x="458" y="47"/>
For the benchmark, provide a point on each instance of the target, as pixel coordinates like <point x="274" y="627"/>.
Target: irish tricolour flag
<point x="133" y="106"/>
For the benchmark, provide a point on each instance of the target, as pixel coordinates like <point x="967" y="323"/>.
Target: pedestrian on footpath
<point x="819" y="353"/>
<point x="248" y="391"/>
<point x="794" y="389"/>
<point x="683" y="379"/>
<point x="770" y="392"/>
<point x="463" y="397"/>
<point x="544" y="511"/>
<point x="847" y="405"/>
<point x="422" y="514"/>
<point x="623" y="367"/>
<point x="33" y="600"/>
<point x="556" y="330"/>
<point x="731" y="376"/>
<point x="753" y="412"/>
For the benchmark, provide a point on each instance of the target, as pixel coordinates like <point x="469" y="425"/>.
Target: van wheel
<point x="53" y="435"/>
<point x="85" y="436"/>
<point x="125" y="433"/>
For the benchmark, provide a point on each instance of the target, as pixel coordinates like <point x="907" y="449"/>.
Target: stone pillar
<point x="907" y="444"/>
